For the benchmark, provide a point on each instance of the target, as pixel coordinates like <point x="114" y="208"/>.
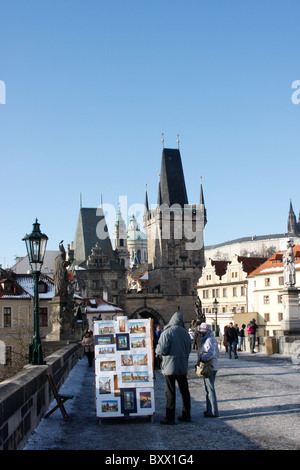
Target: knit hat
<point x="204" y="328"/>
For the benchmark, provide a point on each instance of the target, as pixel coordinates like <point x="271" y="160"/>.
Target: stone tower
<point x="175" y="245"/>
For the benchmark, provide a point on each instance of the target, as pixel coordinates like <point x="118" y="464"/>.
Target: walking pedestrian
<point x="88" y="344"/>
<point x="241" y="337"/>
<point x="174" y="346"/>
<point x="209" y="350"/>
<point x="231" y="336"/>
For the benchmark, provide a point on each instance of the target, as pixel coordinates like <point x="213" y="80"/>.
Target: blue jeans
<point x="211" y="398"/>
<point x="232" y="346"/>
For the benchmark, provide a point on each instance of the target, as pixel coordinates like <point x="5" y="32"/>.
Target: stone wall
<point x="25" y="397"/>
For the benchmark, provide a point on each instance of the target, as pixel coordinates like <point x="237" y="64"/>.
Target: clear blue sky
<point x="92" y="84"/>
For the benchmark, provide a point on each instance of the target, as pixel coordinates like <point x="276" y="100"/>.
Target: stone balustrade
<point x="25" y="397"/>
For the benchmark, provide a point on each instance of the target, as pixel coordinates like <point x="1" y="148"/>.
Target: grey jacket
<point x="174" y="346"/>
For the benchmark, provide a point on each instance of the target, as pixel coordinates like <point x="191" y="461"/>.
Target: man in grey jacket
<point x="174" y="346"/>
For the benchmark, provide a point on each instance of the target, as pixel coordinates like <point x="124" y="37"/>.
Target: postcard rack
<point x="124" y="368"/>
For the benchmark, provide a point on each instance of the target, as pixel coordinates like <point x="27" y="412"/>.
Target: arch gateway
<point x="148" y="312"/>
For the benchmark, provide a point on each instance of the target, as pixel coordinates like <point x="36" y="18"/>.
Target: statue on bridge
<point x="289" y="265"/>
<point x="200" y="316"/>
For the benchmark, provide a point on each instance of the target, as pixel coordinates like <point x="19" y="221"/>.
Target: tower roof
<point x="172" y="189"/>
<point x="87" y="232"/>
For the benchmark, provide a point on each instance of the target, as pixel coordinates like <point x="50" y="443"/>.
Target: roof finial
<point x="163" y="140"/>
<point x="178" y="140"/>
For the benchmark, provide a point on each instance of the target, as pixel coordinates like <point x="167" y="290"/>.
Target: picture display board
<point x="124" y="367"/>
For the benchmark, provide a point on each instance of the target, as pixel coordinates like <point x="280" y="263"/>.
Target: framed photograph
<point x="104" y="339"/>
<point x="128" y="401"/>
<point x="122" y="341"/>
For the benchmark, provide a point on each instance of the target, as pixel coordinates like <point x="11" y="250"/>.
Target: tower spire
<point x="202" y="201"/>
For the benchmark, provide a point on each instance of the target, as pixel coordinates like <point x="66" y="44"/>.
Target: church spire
<point x="292" y="226"/>
<point x="202" y="202"/>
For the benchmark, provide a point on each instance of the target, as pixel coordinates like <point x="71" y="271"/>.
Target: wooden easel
<point x="59" y="397"/>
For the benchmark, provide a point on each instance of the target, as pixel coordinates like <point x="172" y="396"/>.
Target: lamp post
<point x="36" y="246"/>
<point x="216" y="303"/>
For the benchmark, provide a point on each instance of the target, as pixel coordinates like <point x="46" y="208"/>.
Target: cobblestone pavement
<point x="259" y="405"/>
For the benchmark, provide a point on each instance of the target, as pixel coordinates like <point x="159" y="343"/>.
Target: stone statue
<point x="200" y="316"/>
<point x="289" y="265"/>
<point x="61" y="280"/>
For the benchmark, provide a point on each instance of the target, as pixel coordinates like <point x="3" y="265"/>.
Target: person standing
<point x="251" y="329"/>
<point x="156" y="336"/>
<point x="88" y="344"/>
<point x="231" y="336"/>
<point x="209" y="350"/>
<point x="241" y="337"/>
<point x="174" y="346"/>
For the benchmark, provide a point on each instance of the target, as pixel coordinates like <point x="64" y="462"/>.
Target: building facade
<point x="265" y="286"/>
<point x="16" y="314"/>
<point x="223" y="290"/>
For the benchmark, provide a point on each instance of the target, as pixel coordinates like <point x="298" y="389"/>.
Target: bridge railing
<point x="25" y="397"/>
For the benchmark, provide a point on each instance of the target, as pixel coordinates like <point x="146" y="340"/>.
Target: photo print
<point x="101" y="350"/>
<point x="122" y="324"/>
<point x="145" y="401"/>
<point x="105" y="385"/>
<point x="137" y="326"/>
<point x="138" y="342"/>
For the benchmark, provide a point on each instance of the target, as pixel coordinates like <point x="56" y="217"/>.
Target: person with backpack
<point x="251" y="329"/>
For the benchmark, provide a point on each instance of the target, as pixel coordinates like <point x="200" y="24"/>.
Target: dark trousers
<point x="171" y="395"/>
<point x="90" y="356"/>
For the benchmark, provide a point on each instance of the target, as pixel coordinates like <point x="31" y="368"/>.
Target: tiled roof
<point x="275" y="263"/>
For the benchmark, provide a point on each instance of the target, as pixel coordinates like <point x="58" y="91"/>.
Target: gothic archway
<point x="148" y="312"/>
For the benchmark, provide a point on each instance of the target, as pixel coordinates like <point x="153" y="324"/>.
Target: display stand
<point x="124" y="368"/>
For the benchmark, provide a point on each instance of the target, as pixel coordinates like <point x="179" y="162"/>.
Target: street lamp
<point x="36" y="246"/>
<point x="216" y="303"/>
